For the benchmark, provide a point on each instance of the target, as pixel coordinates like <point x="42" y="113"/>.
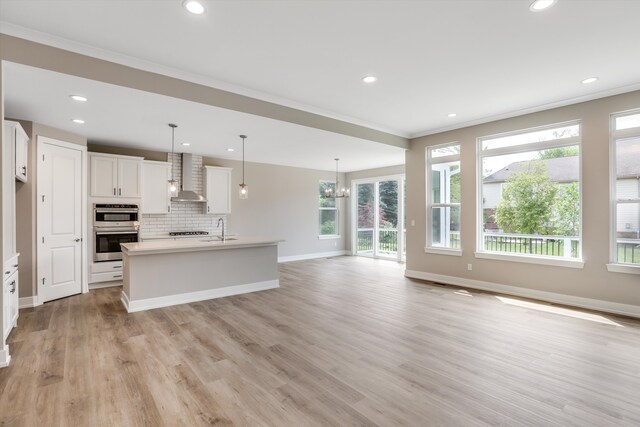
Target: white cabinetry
<point x="10" y="296"/>
<point x="217" y="189"/>
<point x="106" y="272"/>
<point x="115" y="176"/>
<point x="19" y="140"/>
<point x="9" y="190"/>
<point x="156" y="198"/>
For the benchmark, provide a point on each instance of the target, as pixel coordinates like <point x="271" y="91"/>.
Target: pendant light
<point x="340" y="192"/>
<point x="173" y="184"/>
<point x="244" y="188"/>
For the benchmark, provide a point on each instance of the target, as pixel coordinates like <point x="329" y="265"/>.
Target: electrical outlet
<point x="413" y="222"/>
<point x="469" y="267"/>
<point x="335" y="244"/>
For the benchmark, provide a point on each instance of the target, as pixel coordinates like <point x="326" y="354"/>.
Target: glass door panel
<point x="388" y="218"/>
<point x="365" y="219"/>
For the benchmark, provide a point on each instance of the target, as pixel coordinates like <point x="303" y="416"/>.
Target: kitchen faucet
<point x="219" y="221"/>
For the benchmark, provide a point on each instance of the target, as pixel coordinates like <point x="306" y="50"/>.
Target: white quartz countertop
<point x="205" y="243"/>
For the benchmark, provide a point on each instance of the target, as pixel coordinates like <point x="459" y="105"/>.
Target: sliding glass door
<point x="379" y="218"/>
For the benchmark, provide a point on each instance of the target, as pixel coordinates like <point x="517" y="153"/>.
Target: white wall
<point x="283" y="202"/>
<point x="592" y="282"/>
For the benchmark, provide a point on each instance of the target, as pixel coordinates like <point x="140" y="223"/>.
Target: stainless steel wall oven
<point x="113" y="225"/>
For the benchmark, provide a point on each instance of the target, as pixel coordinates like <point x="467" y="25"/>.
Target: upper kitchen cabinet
<point x="156" y="198"/>
<point x="115" y="176"/>
<point x="19" y="140"/>
<point x="8" y="211"/>
<point x="217" y="189"/>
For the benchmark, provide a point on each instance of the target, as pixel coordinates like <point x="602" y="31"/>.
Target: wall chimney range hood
<point x="187" y="194"/>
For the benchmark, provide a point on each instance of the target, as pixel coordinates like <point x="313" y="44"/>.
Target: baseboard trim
<point x="5" y="357"/>
<point x="28" y="302"/>
<point x="311" y="256"/>
<point x="588" y="303"/>
<point x="158" y="302"/>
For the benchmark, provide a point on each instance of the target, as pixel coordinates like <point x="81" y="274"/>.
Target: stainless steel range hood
<point x="186" y="193"/>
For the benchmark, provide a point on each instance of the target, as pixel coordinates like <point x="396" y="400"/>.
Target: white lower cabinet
<point x="107" y="271"/>
<point x="10" y="297"/>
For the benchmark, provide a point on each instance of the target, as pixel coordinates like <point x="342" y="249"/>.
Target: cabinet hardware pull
<point x="76" y="240"/>
<point x="117" y="266"/>
<point x="15" y="265"/>
<point x="114" y="191"/>
<point x="7" y="272"/>
<point x="117" y="276"/>
<point x="119" y="191"/>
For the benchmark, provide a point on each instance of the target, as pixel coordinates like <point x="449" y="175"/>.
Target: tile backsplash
<point x="184" y="216"/>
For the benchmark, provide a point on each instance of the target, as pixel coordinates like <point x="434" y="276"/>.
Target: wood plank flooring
<point x="344" y="341"/>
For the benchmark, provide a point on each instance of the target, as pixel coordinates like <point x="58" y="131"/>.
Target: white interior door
<point x="60" y="209"/>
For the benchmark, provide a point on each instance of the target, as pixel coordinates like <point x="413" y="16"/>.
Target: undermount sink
<point x="218" y="239"/>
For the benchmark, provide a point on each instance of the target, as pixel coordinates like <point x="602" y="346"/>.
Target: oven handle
<point x="116" y="210"/>
<point x="102" y="232"/>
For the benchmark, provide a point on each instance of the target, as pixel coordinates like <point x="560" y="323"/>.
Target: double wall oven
<point x="113" y="225"/>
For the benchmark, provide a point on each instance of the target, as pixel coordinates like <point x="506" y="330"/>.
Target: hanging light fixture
<point x="339" y="192"/>
<point x="173" y="184"/>
<point x="244" y="188"/>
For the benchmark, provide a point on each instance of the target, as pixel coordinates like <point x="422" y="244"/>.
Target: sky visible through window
<point x="492" y="164"/>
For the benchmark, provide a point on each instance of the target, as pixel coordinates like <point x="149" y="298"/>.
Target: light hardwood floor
<point x="344" y="341"/>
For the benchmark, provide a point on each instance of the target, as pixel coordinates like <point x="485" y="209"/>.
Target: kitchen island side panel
<point x="167" y="274"/>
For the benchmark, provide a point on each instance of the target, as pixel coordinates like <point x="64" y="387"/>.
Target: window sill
<point x="443" y="251"/>
<point x="623" y="268"/>
<point x="328" y="236"/>
<point x="558" y="262"/>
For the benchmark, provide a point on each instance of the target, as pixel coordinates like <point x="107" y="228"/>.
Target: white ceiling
<point x="119" y="116"/>
<point x="482" y="59"/>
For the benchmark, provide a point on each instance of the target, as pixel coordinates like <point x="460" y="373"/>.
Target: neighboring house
<point x="564" y="170"/>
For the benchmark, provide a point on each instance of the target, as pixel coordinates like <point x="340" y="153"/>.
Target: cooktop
<point x="188" y="233"/>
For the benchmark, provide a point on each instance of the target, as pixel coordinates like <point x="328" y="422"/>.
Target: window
<point x="529" y="195"/>
<point x="625" y="188"/>
<point x="443" y="212"/>
<point x="328" y="210"/>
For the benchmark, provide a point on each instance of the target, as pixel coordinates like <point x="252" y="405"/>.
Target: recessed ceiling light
<point x="589" y="80"/>
<point x="539" y="5"/>
<point x="369" y="79"/>
<point x="78" y="98"/>
<point x="78" y="121"/>
<point x="194" y="7"/>
<point x="231" y="149"/>
<point x="451" y="115"/>
<point x="186" y="144"/>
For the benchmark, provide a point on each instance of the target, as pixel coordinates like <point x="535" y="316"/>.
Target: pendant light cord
<point x="337" y="182"/>
<point x="243" y="160"/>
<point x="243" y="138"/>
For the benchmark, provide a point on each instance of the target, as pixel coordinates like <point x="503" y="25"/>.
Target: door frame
<point x="41" y="140"/>
<point x="401" y="213"/>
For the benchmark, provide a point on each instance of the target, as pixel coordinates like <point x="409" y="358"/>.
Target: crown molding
<point x="549" y="106"/>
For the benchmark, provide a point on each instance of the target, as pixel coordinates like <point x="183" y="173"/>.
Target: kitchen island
<point x="163" y="273"/>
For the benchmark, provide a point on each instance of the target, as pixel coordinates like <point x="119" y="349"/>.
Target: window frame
<point x="480" y="252"/>
<point x="325" y="208"/>
<point x="430" y="161"/>
<point x="614" y="265"/>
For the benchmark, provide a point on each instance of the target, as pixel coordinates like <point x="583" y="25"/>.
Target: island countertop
<point x="196" y="245"/>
